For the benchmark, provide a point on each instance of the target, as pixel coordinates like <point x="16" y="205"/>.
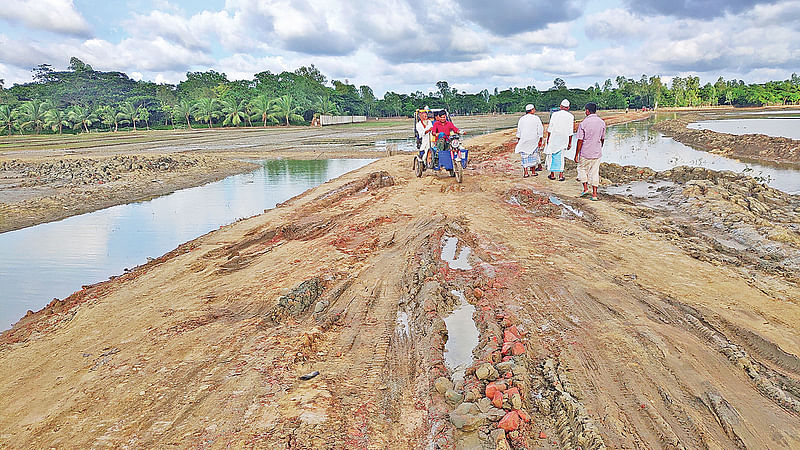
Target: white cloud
<point x="407" y="45"/>
<point x="59" y="16"/>
<point x="616" y="24"/>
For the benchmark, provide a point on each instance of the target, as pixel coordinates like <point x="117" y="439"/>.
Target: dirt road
<point x="619" y="326"/>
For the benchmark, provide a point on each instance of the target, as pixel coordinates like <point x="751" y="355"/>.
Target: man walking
<point x="559" y="140"/>
<point x="529" y="132"/>
<point x="591" y="137"/>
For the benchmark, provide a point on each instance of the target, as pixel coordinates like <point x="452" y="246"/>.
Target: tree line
<point x="83" y="99"/>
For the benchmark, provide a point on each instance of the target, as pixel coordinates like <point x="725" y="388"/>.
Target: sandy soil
<point x="624" y="327"/>
<point x="749" y="147"/>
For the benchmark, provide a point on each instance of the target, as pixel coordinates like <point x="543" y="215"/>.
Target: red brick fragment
<point x="497" y="400"/>
<point x="510" y="421"/>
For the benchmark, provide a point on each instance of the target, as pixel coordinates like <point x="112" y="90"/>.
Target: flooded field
<point x="771" y="123"/>
<point x="636" y="144"/>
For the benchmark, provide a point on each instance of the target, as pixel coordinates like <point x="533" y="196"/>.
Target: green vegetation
<point x="82" y="99"/>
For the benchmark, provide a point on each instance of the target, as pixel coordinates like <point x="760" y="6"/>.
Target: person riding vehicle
<point x="443" y="129"/>
<point x="439" y="141"/>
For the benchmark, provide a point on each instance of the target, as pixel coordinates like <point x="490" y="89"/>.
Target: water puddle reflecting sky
<point x="462" y="335"/>
<point x="55" y="259"/>
<point x="460" y="261"/>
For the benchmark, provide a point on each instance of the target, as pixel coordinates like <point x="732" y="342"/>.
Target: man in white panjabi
<point x="424" y="126"/>
<point x="530" y="132"/>
<point x="559" y="139"/>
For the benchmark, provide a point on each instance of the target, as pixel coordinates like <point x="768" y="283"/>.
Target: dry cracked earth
<point x="608" y="324"/>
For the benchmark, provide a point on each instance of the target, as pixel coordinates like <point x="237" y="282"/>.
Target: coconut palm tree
<point x="284" y="107"/>
<point x="109" y="115"/>
<point x="8" y="119"/>
<point x="206" y="109"/>
<point x="261" y="107"/>
<point x="167" y="110"/>
<point x="143" y="114"/>
<point x="128" y="113"/>
<point x="183" y="111"/>
<point x="56" y="119"/>
<point x="82" y="116"/>
<point x="31" y="114"/>
<point x="233" y="111"/>
<point x="248" y="114"/>
<point x="324" y="105"/>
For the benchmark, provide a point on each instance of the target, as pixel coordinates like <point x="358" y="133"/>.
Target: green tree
<point x="206" y="109"/>
<point x="81" y="116"/>
<point x="233" y="112"/>
<point x="31" y="114"/>
<point x="558" y="84"/>
<point x="261" y="107"/>
<point x="76" y="65"/>
<point x="368" y="99"/>
<point x="109" y="115"/>
<point x="324" y="105"/>
<point x="143" y="114"/>
<point x="8" y="119"/>
<point x="182" y="111"/>
<point x="56" y="119"/>
<point x="284" y="107"/>
<point x="128" y="113"/>
<point x="392" y="103"/>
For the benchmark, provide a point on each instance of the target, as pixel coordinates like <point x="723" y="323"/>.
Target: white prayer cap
<point x="565" y="103"/>
<point x="529" y="107"/>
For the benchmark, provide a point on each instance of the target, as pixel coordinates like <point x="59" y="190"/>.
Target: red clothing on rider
<point x="444" y="127"/>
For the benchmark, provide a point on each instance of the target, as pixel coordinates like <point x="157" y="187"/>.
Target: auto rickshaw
<point x="443" y="154"/>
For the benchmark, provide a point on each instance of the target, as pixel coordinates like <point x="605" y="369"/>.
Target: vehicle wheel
<point x="459" y="172"/>
<point x="417" y="167"/>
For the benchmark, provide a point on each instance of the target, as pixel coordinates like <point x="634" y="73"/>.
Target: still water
<point x="55" y="259"/>
<point x="636" y="144"/>
<point x="778" y="123"/>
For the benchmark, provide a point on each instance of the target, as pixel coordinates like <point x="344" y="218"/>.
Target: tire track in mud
<point x="673" y="427"/>
<point x="769" y="384"/>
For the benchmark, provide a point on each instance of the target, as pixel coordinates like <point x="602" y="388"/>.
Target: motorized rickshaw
<point x="443" y="154"/>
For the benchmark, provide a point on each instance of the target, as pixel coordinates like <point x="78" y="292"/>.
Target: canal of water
<point x="55" y="259"/>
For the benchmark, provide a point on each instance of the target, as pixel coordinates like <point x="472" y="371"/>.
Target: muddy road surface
<point x="609" y="324"/>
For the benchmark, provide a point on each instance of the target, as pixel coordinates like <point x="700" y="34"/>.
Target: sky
<point x="408" y="45"/>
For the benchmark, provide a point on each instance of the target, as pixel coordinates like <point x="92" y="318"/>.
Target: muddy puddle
<point x="650" y="194"/>
<point x="458" y="261"/>
<point x="403" y="326"/>
<point x="55" y="259"/>
<point x="462" y="335"/>
<point x="566" y="209"/>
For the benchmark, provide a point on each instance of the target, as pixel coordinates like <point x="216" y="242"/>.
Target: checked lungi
<point x="530" y="159"/>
